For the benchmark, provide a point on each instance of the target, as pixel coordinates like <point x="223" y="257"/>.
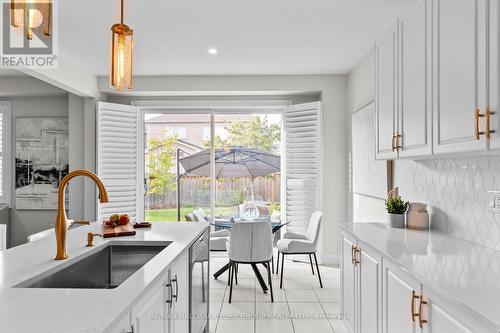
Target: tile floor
<point x="301" y="306"/>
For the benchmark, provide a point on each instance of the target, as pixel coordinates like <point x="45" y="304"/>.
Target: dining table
<point x="227" y="223"/>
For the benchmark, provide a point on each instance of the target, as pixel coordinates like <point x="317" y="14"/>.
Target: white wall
<point x="33" y="98"/>
<point x="361" y="92"/>
<point x="332" y="90"/>
<point x="25" y="222"/>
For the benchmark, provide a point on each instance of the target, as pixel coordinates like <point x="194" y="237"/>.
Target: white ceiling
<point x="172" y="37"/>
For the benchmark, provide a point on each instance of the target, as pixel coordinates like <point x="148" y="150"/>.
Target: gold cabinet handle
<point x="488" y="130"/>
<point x="421" y="320"/>
<point x="478" y="115"/>
<point x="393" y="143"/>
<point x="398" y="147"/>
<point x="414" y="297"/>
<point x="356" y="258"/>
<point x="352" y="254"/>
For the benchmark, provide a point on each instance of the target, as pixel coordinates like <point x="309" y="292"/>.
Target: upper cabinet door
<point x="386" y="94"/>
<point x="458" y="74"/>
<point x="415" y="123"/>
<point x="493" y="73"/>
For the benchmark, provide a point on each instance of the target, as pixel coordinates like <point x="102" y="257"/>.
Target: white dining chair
<point x="295" y="243"/>
<point x="3" y="237"/>
<point x="218" y="238"/>
<point x="250" y="244"/>
<point x="49" y="232"/>
<point x="41" y="234"/>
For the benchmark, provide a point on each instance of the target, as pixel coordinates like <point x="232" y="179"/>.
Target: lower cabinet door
<point x="369" y="295"/>
<point x="397" y="300"/>
<point x="150" y="315"/>
<point x="348" y="283"/>
<point x="441" y="317"/>
<point x="179" y="275"/>
<point x="123" y="326"/>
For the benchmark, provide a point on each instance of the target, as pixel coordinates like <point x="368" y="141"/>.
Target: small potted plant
<point x="396" y="209"/>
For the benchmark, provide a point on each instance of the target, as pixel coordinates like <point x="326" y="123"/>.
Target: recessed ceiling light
<point x="212" y="51"/>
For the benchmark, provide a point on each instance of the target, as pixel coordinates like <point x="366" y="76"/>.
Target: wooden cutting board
<point x="119" y="230"/>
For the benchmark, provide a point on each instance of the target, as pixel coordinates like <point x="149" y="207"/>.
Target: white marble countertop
<point x="81" y="310"/>
<point x="465" y="273"/>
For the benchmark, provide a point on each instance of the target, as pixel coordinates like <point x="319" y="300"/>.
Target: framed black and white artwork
<point x="41" y="158"/>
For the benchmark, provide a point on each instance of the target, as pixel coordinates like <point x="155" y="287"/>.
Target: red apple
<point x="124" y="219"/>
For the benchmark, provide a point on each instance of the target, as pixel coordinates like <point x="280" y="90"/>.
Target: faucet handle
<point x="81" y="222"/>
<point x="90" y="238"/>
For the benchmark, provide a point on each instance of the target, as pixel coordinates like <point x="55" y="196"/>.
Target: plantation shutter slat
<point x="118" y="157"/>
<point x="303" y="160"/>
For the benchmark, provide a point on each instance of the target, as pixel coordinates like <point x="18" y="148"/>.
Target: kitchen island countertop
<point x="81" y="310"/>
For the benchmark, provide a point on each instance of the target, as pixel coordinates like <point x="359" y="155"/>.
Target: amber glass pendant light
<point x="36" y="14"/>
<point x="121" y="55"/>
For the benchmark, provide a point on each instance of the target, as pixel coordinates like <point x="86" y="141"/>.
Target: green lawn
<point x="171" y="214"/>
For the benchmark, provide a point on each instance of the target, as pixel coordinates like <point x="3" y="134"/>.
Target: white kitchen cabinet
<point x="380" y="295"/>
<point x="165" y="308"/>
<point x="123" y="326"/>
<point x="361" y="291"/>
<point x="397" y="301"/>
<point x="493" y="73"/>
<point x="348" y="282"/>
<point x="386" y="55"/>
<point x="179" y="280"/>
<point x="414" y="111"/>
<point x="459" y="72"/>
<point x="369" y="270"/>
<point x="151" y="314"/>
<point x="442" y="319"/>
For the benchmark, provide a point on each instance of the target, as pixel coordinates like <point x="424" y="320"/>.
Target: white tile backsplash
<point x="456" y="191"/>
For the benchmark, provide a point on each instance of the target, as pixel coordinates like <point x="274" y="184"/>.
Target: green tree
<point x="256" y="133"/>
<point x="160" y="163"/>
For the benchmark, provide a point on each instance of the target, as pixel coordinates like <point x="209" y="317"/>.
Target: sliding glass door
<point x="247" y="164"/>
<point x="210" y="164"/>
<point x="172" y="190"/>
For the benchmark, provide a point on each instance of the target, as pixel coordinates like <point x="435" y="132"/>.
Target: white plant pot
<point x="396" y="220"/>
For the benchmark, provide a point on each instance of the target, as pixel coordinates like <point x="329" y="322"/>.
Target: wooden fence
<point x="195" y="191"/>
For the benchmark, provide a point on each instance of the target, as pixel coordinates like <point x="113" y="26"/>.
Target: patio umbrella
<point x="233" y="162"/>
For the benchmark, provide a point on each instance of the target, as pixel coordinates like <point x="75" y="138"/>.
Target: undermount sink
<point x="105" y="269"/>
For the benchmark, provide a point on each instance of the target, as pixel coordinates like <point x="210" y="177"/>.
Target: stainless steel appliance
<point x="199" y="283"/>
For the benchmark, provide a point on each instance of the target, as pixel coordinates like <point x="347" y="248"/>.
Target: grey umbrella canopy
<point x="234" y="162"/>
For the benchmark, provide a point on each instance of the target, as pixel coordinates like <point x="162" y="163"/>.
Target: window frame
<point x="211" y="108"/>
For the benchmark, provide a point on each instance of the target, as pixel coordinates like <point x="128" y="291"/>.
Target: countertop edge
<point x="448" y="295"/>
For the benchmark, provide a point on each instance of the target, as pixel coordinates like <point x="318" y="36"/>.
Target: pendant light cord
<point x="121" y="17"/>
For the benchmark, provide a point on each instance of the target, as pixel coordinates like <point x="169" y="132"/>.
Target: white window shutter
<point x="118" y="159"/>
<point x="303" y="164"/>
